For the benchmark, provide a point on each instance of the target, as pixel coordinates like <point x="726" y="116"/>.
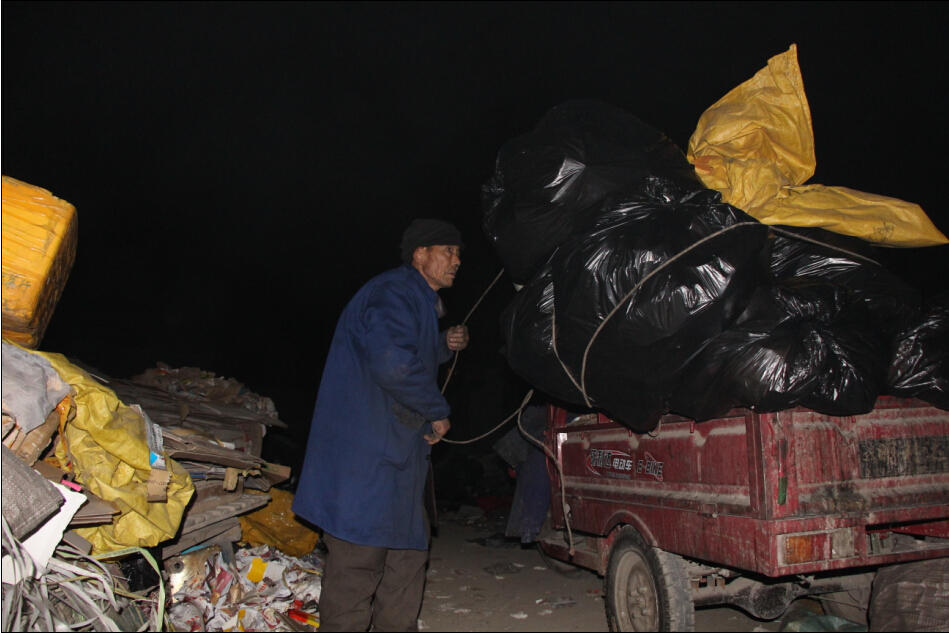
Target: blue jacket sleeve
<point x="396" y="363"/>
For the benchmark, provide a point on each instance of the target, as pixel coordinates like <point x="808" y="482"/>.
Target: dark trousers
<point x="365" y="585"/>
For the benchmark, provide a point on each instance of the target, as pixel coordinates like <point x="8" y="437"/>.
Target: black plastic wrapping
<point x="549" y="183"/>
<point x="920" y="366"/>
<point x="818" y="334"/>
<point x="634" y="363"/>
<point x="851" y="268"/>
<point x="527" y="326"/>
<point x="733" y="313"/>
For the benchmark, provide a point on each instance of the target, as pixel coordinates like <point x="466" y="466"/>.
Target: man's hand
<point x="457" y="337"/>
<point x="439" y="428"/>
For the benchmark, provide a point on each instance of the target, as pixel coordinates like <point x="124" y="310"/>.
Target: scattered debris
<point x="502" y="568"/>
<point x="563" y="602"/>
<point x="496" y="540"/>
<point x="257" y="591"/>
<point x="816" y="622"/>
<point x="73" y="591"/>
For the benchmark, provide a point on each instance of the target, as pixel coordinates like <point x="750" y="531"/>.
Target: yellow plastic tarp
<point x="39" y="245"/>
<point x="105" y="446"/>
<point x="756" y="146"/>
<point x="276" y="525"/>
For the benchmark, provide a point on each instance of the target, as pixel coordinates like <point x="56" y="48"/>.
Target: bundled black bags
<point x="644" y="293"/>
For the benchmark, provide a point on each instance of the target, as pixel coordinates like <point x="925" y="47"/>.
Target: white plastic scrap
<point x="225" y="599"/>
<point x="41" y="544"/>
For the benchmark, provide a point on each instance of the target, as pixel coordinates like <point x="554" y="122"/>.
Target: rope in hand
<point x="451" y="370"/>
<point x="454" y="362"/>
<point x="518" y="412"/>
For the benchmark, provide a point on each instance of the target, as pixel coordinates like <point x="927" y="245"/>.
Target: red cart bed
<point x="737" y="501"/>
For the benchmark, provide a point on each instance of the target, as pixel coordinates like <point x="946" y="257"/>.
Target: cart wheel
<point x="647" y="589"/>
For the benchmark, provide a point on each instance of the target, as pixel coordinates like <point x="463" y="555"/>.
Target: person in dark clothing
<point x="378" y="413"/>
<point x="532" y="490"/>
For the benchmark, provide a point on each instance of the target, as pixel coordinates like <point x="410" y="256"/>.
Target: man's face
<point x="438" y="264"/>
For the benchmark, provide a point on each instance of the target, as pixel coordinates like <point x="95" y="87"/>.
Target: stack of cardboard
<point x="218" y="443"/>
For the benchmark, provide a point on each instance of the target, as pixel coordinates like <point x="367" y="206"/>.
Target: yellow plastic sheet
<point x="276" y="525"/>
<point x="105" y="446"/>
<point x="756" y="146"/>
<point x="39" y="245"/>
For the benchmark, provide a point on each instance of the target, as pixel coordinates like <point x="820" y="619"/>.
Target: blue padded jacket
<point x="366" y="461"/>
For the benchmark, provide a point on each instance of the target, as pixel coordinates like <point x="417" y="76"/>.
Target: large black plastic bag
<point x="633" y="365"/>
<point x="817" y="335"/>
<point x="549" y="183"/>
<point x="527" y="326"/>
<point x="851" y="266"/>
<point x="870" y="305"/>
<point x="920" y="365"/>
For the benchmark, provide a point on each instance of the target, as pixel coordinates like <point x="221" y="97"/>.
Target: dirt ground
<point x="479" y="582"/>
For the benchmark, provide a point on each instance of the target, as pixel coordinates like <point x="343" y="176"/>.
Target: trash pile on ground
<point x="259" y="589"/>
<point x="103" y="476"/>
<point x="86" y="475"/>
<point x="656" y="282"/>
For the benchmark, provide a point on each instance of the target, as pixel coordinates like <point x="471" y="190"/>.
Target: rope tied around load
<point x="581" y="383"/>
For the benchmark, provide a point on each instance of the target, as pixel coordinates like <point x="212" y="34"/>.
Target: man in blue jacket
<point x="378" y="412"/>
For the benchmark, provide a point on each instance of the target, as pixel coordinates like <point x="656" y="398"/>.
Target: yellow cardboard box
<point x="39" y="246"/>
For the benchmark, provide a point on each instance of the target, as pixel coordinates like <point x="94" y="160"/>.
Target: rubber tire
<point x="662" y="583"/>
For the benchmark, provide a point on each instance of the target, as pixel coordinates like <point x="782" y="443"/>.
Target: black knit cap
<point x="428" y="232"/>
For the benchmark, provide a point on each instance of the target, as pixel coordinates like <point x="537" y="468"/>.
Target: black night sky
<point x="240" y="170"/>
